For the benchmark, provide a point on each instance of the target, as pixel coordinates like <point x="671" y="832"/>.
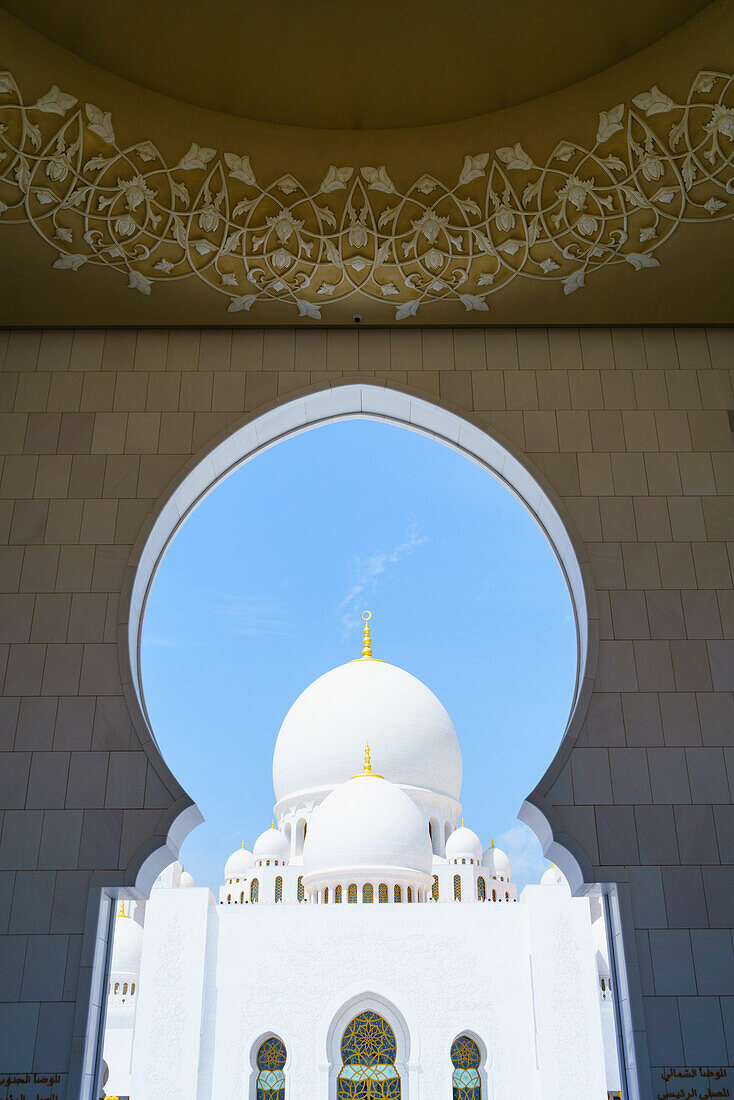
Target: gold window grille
<point x="337" y="895"/>
<point x="352" y="894"/>
<point x="397" y="894"/>
<point x="457" y="887"/>
<point x="368" y="895"/>
<point x="382" y="893"/>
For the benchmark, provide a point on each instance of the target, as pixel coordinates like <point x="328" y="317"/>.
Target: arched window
<point x="494" y="895"/>
<point x="117" y="987"/>
<point x="352" y="894"/>
<point x="132" y="989"/>
<point x="279" y="888"/>
<point x="410" y="893"/>
<point x="434" y="888"/>
<point x="124" y="989"/>
<point x="397" y="894"/>
<point x="300" y="891"/>
<point x="326" y="895"/>
<point x="229" y="899"/>
<point x="368" y="895"/>
<point x="254" y="890"/>
<point x="481" y="889"/>
<point x="242" y="897"/>
<point x="337" y="895"/>
<point x="465" y="1057"/>
<point x="507" y="896"/>
<point x="457" y="887"/>
<point x="368" y="1060"/>
<point x="382" y="893"/>
<point x="271" y="1058"/>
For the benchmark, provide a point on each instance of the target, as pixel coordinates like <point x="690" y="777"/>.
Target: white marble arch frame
<point x="406" y="1039"/>
<point x="323" y="405"/>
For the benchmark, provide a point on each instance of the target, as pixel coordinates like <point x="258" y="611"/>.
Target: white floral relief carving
<point x="653" y="165"/>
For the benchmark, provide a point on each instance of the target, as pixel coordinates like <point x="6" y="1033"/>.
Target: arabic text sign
<point x="693" y="1083"/>
<point x="31" y="1086"/>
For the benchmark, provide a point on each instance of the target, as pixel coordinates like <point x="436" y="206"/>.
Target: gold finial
<point x="366" y="640"/>
<point x="243" y="845"/>
<point x="462" y="822"/>
<point x="272" y="824"/>
<point x="367" y="766"/>
<point x="182" y="868"/>
<point x="122" y="912"/>
<point x="492" y="844"/>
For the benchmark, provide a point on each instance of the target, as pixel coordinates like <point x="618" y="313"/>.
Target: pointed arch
<point x="269" y="1068"/>
<point x="468" y="1061"/>
<point x="394" y="1027"/>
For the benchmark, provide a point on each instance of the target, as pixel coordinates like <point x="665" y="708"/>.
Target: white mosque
<point x="367" y="947"/>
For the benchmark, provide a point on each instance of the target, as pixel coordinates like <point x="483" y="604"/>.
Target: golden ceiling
<point x="344" y="64"/>
<point x="554" y="164"/>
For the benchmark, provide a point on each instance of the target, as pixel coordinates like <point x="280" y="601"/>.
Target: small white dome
<point x="187" y="880"/>
<point x="325" y="731"/>
<point x="271" y="844"/>
<point x="365" y="824"/>
<point x="553" y="876"/>
<point x="464" y="844"/>
<point x="238" y="864"/>
<point x="127" y="946"/>
<point x="497" y="863"/>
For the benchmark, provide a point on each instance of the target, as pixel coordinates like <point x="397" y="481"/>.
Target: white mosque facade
<point x="368" y="946"/>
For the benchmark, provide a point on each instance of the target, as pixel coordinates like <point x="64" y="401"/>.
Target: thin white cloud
<point x="367" y="573"/>
<point x="254" y="617"/>
<point x="526" y="855"/>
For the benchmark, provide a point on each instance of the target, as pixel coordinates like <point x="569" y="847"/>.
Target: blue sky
<point x="262" y="591"/>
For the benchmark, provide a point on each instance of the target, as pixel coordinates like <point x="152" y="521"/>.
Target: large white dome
<point x="413" y="740"/>
<point x="364" y="825"/>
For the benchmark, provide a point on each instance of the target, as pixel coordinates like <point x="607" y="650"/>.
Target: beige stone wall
<point x="629" y="426"/>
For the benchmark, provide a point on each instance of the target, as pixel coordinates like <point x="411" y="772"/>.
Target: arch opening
<point x="462" y="437"/>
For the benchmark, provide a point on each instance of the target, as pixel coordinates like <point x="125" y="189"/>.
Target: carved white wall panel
<point x="649" y="167"/>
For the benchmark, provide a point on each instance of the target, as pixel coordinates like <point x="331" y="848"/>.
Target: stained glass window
<point x="352" y="894"/>
<point x="397" y="894"/>
<point x="434" y="888"/>
<point x="270" y="1063"/>
<point x="337" y="895"/>
<point x="368" y="1060"/>
<point x="326" y="896"/>
<point x="254" y="890"/>
<point x="279" y="888"/>
<point x="410" y="893"/>
<point x="457" y="887"/>
<point x="382" y="892"/>
<point x="368" y="893"/>
<point x="301" y="891"/>
<point x="481" y="889"/>
<point x="465" y="1057"/>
